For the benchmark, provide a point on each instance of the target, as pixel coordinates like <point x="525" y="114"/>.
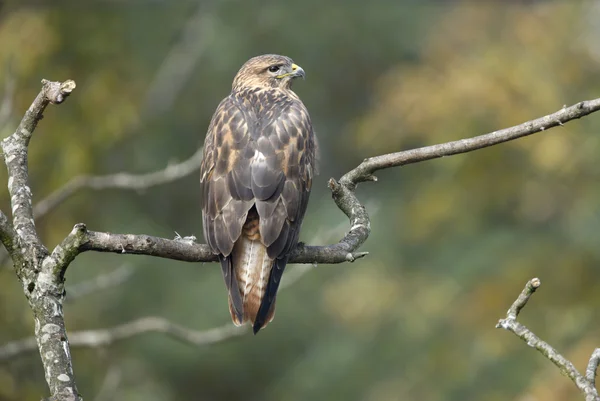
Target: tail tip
<point x="256" y="327"/>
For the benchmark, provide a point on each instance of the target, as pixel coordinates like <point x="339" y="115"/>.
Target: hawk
<point x="256" y="176"/>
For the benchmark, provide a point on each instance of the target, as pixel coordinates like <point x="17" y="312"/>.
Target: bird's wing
<point x="226" y="187"/>
<point x="285" y="166"/>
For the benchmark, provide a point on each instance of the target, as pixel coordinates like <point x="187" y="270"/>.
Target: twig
<point x="523" y="298"/>
<point x="151" y="324"/>
<point x="585" y="384"/>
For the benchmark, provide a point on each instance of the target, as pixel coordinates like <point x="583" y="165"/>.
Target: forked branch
<point x="40" y="274"/>
<point x="586" y="384"/>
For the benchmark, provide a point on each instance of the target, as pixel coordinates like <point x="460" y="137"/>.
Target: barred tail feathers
<point x="252" y="267"/>
<point x="251" y="270"/>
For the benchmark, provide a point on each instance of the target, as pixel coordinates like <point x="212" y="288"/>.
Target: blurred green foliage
<point x="454" y="239"/>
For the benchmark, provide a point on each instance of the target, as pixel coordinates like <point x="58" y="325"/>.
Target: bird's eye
<point x="274" y="68"/>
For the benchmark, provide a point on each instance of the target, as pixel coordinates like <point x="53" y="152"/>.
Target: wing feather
<point x="234" y="218"/>
<point x="271" y="226"/>
<point x="296" y="145"/>
<point x="280" y="243"/>
<point x="290" y="199"/>
<point x="226" y="189"/>
<point x="226" y="177"/>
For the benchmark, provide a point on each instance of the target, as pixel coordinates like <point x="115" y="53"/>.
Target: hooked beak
<point x="297" y="71"/>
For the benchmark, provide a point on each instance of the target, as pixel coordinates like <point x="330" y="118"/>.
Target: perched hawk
<point x="256" y="176"/>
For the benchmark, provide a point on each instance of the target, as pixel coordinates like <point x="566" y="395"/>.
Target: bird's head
<point x="267" y="71"/>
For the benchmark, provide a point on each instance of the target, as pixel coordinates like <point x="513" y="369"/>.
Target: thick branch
<point x="583" y="383"/>
<point x="106" y="337"/>
<point x="40" y="276"/>
<point x="183" y="249"/>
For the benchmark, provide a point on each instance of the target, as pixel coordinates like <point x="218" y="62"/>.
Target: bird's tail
<point x="251" y="267"/>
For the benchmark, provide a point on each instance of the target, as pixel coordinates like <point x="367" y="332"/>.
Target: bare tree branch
<point x="364" y="172"/>
<point x="585" y="384"/>
<point x="523" y="298"/>
<point x="183" y="249"/>
<point x="40" y="274"/>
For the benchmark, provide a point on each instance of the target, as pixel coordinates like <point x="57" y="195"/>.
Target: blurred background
<point x="453" y="240"/>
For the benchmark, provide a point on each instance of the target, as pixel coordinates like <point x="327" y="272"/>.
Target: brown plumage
<point x="256" y="176"/>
